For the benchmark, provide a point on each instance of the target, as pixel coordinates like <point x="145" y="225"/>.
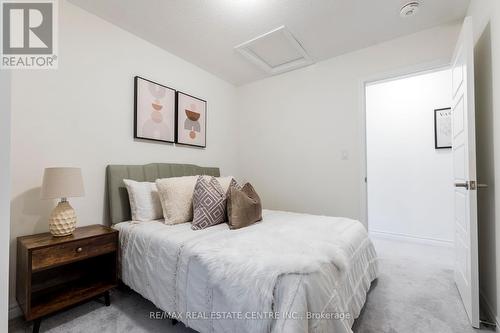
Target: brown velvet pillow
<point x="243" y="206"/>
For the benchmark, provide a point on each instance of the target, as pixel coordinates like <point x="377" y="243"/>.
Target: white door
<point x="464" y="164"/>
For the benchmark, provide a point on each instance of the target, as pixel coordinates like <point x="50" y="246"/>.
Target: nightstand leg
<point x="36" y="325"/>
<point x="107" y="301"/>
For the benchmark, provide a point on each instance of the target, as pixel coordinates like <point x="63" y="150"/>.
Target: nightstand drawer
<point x="72" y="251"/>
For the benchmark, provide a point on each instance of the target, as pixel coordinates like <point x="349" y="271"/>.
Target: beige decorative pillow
<point x="243" y="206"/>
<point x="176" y="196"/>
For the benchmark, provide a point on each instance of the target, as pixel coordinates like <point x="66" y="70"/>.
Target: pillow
<point x="144" y="200"/>
<point x="176" y="197"/>
<point x="225" y="182"/>
<point x="243" y="206"/>
<point x="209" y="203"/>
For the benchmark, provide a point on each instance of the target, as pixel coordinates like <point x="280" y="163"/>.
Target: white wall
<point x="295" y="126"/>
<point x="486" y="19"/>
<point x="4" y="195"/>
<point x="410" y="183"/>
<point x="82" y="115"/>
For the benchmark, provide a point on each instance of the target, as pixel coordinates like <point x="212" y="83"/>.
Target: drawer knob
<point x="79" y="249"/>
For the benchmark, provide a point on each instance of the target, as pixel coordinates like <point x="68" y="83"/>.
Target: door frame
<point x="5" y="180"/>
<point x="390" y="75"/>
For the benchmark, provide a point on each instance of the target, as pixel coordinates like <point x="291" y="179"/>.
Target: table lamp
<point x="62" y="183"/>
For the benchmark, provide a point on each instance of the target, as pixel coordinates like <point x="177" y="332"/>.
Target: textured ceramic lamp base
<point x="62" y="221"/>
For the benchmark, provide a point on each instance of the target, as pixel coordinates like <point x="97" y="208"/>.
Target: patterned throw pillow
<point x="209" y="203"/>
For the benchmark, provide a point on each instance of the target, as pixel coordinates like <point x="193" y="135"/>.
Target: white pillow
<point x="176" y="197"/>
<point x="225" y="182"/>
<point x="144" y="200"/>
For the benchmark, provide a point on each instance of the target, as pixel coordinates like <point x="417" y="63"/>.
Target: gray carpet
<point x="409" y="296"/>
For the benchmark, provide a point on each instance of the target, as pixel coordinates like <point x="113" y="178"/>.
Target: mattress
<point x="160" y="262"/>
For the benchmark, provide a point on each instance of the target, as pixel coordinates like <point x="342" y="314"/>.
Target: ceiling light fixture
<point x="410" y="9"/>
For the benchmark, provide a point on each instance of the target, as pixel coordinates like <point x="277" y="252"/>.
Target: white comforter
<point x="289" y="273"/>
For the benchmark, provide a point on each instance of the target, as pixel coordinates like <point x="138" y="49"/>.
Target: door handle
<point x="471" y="185"/>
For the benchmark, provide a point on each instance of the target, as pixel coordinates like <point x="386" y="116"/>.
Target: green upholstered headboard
<point x="119" y="206"/>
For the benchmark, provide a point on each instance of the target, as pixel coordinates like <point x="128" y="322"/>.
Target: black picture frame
<point x="436" y="143"/>
<point x="177" y="113"/>
<point x="136" y="136"/>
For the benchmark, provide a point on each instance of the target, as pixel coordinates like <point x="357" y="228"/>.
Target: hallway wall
<point x="410" y="192"/>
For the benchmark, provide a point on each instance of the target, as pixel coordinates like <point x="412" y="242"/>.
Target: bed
<point x="288" y="273"/>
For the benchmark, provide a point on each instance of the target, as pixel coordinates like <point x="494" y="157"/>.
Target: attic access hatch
<point x="276" y="52"/>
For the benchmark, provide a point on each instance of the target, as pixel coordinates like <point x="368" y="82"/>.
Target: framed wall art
<point x="442" y="128"/>
<point x="154" y="111"/>
<point x="191" y="120"/>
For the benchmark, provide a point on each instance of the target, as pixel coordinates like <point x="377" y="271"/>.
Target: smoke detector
<point x="410" y="9"/>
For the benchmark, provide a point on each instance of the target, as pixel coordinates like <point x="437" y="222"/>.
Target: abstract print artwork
<point x="154" y="111"/>
<point x="442" y="128"/>
<point x="191" y="120"/>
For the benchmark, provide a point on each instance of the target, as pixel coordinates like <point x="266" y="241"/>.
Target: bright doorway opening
<point x="410" y="162"/>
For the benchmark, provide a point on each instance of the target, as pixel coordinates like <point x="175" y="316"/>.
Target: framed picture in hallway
<point x="154" y="111"/>
<point x="191" y="120"/>
<point x="442" y="128"/>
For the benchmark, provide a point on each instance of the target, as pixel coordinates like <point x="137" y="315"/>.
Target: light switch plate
<point x="344" y="155"/>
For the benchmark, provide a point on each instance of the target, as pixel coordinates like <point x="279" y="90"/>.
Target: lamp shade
<point x="62" y="183"/>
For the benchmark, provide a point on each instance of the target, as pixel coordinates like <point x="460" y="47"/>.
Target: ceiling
<point x="205" y="32"/>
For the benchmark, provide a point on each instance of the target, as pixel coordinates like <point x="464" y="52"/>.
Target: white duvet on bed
<point x="289" y="273"/>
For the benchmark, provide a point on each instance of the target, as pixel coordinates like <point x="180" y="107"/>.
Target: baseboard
<point x="486" y="306"/>
<point x="413" y="239"/>
<point x="14" y="311"/>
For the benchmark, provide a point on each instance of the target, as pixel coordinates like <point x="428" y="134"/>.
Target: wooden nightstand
<point x="54" y="273"/>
